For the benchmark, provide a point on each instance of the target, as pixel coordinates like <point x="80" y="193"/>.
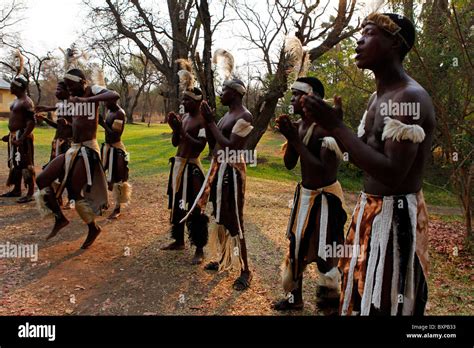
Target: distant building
<point x="6" y="98"/>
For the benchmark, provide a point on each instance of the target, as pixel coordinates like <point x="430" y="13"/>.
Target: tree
<point x="171" y="36"/>
<point x="262" y="32"/>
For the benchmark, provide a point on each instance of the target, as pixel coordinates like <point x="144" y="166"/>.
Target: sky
<point x="49" y="24"/>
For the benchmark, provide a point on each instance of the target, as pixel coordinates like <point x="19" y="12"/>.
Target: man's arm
<point x="47" y="120"/>
<point x="104" y="96"/>
<point x="199" y="142"/>
<point x="291" y="156"/>
<point x="235" y="141"/>
<point x="389" y="167"/>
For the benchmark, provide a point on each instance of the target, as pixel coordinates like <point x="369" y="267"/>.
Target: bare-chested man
<point x="186" y="174"/>
<point x="21" y="124"/>
<point x="225" y="181"/>
<point x="388" y="234"/>
<point x="317" y="217"/>
<point x="63" y="136"/>
<point x="80" y="168"/>
<point x="115" y="156"/>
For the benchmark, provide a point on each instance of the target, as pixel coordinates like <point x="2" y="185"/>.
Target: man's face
<point x="61" y="92"/>
<point x="296" y="101"/>
<point x="15" y="90"/>
<point x="373" y="47"/>
<point x="190" y="105"/>
<point x="75" y="88"/>
<point x="228" y="94"/>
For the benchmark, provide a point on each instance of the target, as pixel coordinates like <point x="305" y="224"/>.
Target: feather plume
<point x="224" y="61"/>
<point x="186" y="80"/>
<point x="297" y="58"/>
<point x="19" y="62"/>
<point x="185" y="74"/>
<point x="98" y="77"/>
<point x="184" y="64"/>
<point x="72" y="56"/>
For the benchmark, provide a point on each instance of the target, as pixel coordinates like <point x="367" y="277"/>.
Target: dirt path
<point x="126" y="273"/>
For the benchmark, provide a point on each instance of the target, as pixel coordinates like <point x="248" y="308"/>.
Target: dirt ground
<point x="126" y="273"/>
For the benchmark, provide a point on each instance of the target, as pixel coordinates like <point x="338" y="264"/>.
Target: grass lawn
<point x="150" y="148"/>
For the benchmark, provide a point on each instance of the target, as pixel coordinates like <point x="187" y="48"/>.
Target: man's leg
<point x="14" y="179"/>
<point x="177" y="233"/>
<point x="46" y="196"/>
<point x="29" y="179"/>
<point x="328" y="288"/>
<point x="76" y="182"/>
<point x="294" y="300"/>
<point x="198" y="234"/>
<point x="243" y="281"/>
<point x="121" y="189"/>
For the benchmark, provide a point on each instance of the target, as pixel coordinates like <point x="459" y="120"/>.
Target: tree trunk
<point x="265" y="108"/>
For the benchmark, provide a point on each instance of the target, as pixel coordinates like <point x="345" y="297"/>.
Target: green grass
<point x="150" y="149"/>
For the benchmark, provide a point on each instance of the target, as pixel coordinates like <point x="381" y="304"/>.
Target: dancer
<point x="186" y="174"/>
<point x="387" y="271"/>
<point x="225" y="180"/>
<point x="316" y="225"/>
<point x="63" y="136"/>
<point x="21" y="124"/>
<point x="80" y="168"/>
<point x="115" y="157"/>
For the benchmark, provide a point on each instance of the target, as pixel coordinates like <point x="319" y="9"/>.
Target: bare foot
<point x="25" y="199"/>
<point x="11" y="194"/>
<point x="198" y="257"/>
<point x="94" y="231"/>
<point x="174" y="246"/>
<point x="58" y="225"/>
<point x="212" y="266"/>
<point x="286" y="305"/>
<point x="243" y="281"/>
<point x="115" y="214"/>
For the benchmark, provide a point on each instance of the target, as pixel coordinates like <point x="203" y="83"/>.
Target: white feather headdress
<point x="224" y="61"/>
<point x="297" y="58"/>
<point x="72" y="56"/>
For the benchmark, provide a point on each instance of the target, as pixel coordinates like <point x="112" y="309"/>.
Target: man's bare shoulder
<point x="246" y="115"/>
<point x="415" y="104"/>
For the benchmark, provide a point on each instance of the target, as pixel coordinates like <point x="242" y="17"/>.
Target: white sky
<point x="49" y="24"/>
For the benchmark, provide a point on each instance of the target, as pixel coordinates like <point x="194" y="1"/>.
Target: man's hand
<point x="62" y="121"/>
<point x="207" y="112"/>
<point x="287" y="128"/>
<point x="174" y="122"/>
<point x="16" y="142"/>
<point x="78" y="99"/>
<point x="5" y="138"/>
<point x="322" y="113"/>
<point x="39" y="117"/>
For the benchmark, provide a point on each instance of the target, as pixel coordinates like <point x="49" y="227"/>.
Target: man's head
<point x="19" y="85"/>
<point x="304" y="86"/>
<point x="61" y="91"/>
<point x="384" y="36"/>
<point x="233" y="89"/>
<point x="192" y="100"/>
<point x="75" y="81"/>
